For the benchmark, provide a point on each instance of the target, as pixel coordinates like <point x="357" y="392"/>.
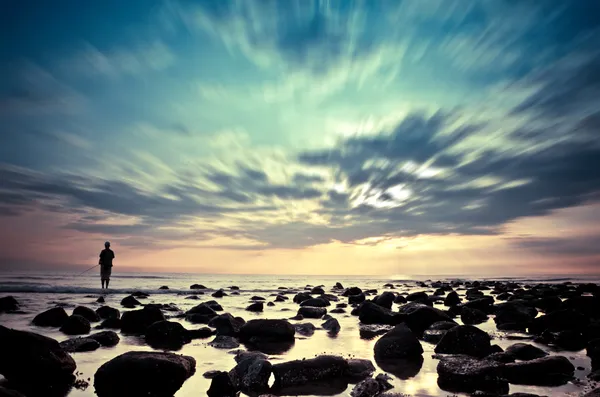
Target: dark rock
<point x="514" y="312"/>
<point x="503" y="296"/>
<point x="218" y="294"/>
<point x="200" y="333"/>
<point x="452" y="299"/>
<point x="315" y="302"/>
<point x="501" y="357"/>
<point x="143" y="374"/>
<point x="8" y="304"/>
<point x="305" y="329"/>
<point x="545" y="371"/>
<point x="419" y="317"/>
<point x="464" y="339"/>
<point x="559" y="320"/>
<point x="301" y="297"/>
<point x="251" y="375"/>
<point x="197" y="286"/>
<point x="226" y="324"/>
<point x="222" y="386"/>
<point x="86" y="313"/>
<point x="163" y="287"/>
<point x="312" y="312"/>
<point x="137" y="321"/>
<point x="593" y="349"/>
<point x="140" y="294"/>
<point x="224" y="342"/>
<point x="201" y="314"/>
<point x="210" y="374"/>
<point x="256" y="307"/>
<point x="354" y="299"/>
<point x="359" y="369"/>
<point x="370" y="331"/>
<point x="524" y="351"/>
<point x="417" y="296"/>
<point x="106" y="312"/>
<point x="439" y="292"/>
<point x="54" y="317"/>
<point x="370" y="387"/>
<point x="111" y="323"/>
<point x="76" y="325"/>
<point x="105" y="338"/>
<point x="370" y="313"/>
<point x="332" y="326"/>
<point x="437" y="330"/>
<point x="267" y="330"/>
<point x="594" y="376"/>
<point x="130" y="302"/>
<point x="242" y="355"/>
<point x="297" y="317"/>
<point x="386" y="299"/>
<point x="466" y="375"/>
<point x="78" y="345"/>
<point x="570" y="340"/>
<point x="522" y="327"/>
<point x="317" y="290"/>
<point x="400" y="299"/>
<point x="352" y="291"/>
<point x="337" y="311"/>
<point x="100" y="300"/>
<point x="403" y="368"/>
<point x="301" y="372"/>
<point x="167" y="335"/>
<point x="257" y="298"/>
<point x="26" y="354"/>
<point x="281" y="298"/>
<point x="484" y="303"/>
<point x="338" y="286"/>
<point x="234" y="288"/>
<point x="473" y="316"/>
<point x="548" y="303"/>
<point x="398" y="343"/>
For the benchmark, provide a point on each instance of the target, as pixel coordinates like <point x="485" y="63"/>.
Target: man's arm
<point x="100" y="260"/>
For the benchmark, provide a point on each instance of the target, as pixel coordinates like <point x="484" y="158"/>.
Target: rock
<point x="76" y="325"/>
<point x="501" y="357"/>
<point x="8" y="304"/>
<point x="559" y="320"/>
<point x="398" y="343"/>
<point x="437" y="330"/>
<point x="226" y="324"/>
<point x="465" y="374"/>
<point x="78" y="345"/>
<point x="452" y="299"/>
<point x="167" y="335"/>
<point x="332" y="326"/>
<point x="222" y="386"/>
<point x="305" y="329"/>
<point x="570" y="340"/>
<point x="204" y="309"/>
<point x="4" y="392"/>
<point x="105" y="312"/>
<point x="224" y="342"/>
<point x="28" y="357"/>
<point x="370" y="387"/>
<point x="514" y="312"/>
<point x="400" y="299"/>
<point x="301" y="372"/>
<point x="298" y="317"/>
<point x="370" y="331"/>
<point x="337" y="311"/>
<point x="281" y="298"/>
<point x="197" y="286"/>
<point x="593" y="393"/>
<point x="137" y="321"/>
<point x="251" y="375"/>
<point x="386" y="299"/>
<point x="218" y="294"/>
<point x="522" y="327"/>
<point x="545" y="371"/>
<point x="464" y="339"/>
<point x="316" y="302"/>
<point x="593" y="349"/>
<point x="359" y="369"/>
<point x="100" y="300"/>
<point x="473" y="316"/>
<point x="312" y="312"/>
<point x="352" y="291"/>
<point x="244" y="355"/>
<point x="270" y="304"/>
<point x="105" y="338"/>
<point x="255" y="307"/>
<point x="483" y="303"/>
<point x="86" y="313"/>
<point x="419" y="317"/>
<point x="524" y="351"/>
<point x="210" y="374"/>
<point x="338" y="286"/>
<point x="370" y="313"/>
<point x="143" y="374"/>
<point x="54" y="317"/>
<point x="200" y="333"/>
<point x="301" y="297"/>
<point x="317" y="290"/>
<point x="140" y="294"/>
<point x="130" y="302"/>
<point x="111" y="323"/>
<point x="548" y="303"/>
<point x="267" y="330"/>
<point x="595" y="376"/>
<point x="355" y="299"/>
<point x="163" y="287"/>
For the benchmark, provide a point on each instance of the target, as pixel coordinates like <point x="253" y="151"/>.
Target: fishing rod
<point x="88" y="270"/>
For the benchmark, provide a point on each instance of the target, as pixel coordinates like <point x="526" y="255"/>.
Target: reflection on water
<point x="325" y="388"/>
<point x="401" y="368"/>
<point x="268" y="347"/>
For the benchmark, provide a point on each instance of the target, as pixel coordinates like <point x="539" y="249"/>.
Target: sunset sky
<point x="442" y="137"/>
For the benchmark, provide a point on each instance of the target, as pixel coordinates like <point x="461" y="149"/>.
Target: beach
<point x="38" y="292"/>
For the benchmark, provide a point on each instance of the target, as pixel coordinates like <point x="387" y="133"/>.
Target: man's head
<point x="106" y="244"/>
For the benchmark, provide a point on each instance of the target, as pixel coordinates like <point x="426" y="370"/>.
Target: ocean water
<point x="37" y="292"/>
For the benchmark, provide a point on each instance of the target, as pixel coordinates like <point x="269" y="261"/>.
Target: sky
<point x="404" y="137"/>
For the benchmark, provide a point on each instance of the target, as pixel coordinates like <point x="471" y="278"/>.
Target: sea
<point x="39" y="291"/>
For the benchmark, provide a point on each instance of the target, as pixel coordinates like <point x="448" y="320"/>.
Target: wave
<point x="67" y="289"/>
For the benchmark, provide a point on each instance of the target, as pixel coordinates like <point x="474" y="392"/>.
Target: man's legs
<point x="107" y="281"/>
<point x="103" y="283"/>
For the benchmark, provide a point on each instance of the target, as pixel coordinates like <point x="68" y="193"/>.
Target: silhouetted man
<point x="106" y="258"/>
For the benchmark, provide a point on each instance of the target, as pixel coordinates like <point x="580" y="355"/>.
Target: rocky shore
<point x="548" y="322"/>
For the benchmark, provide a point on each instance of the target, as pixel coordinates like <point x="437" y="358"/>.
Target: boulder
<point x="545" y="371"/>
<point x="143" y="374"/>
<point x="399" y="343"/>
<point x="224" y="342"/>
<point x="8" y="304"/>
<point x="472" y="316"/>
<point x="417" y="296"/>
<point x="167" y="335"/>
<point x="437" y="330"/>
<point x="337" y="311"/>
<point x="305" y="329"/>
<point x="316" y="302"/>
<point x="338" y="286"/>
<point x="514" y="313"/>
<point x="140" y="294"/>
<point x="86" y="313"/>
<point x="200" y="333"/>
<point x="76" y="325"/>
<point x="222" y="386"/>
<point x="371" y="387"/>
<point x="281" y="298"/>
<point x="352" y="291"/>
<point x="256" y="307"/>
<point x="464" y="374"/>
<point x="197" y="286"/>
<point x="571" y="340"/>
<point x="163" y="287"/>
<point x="370" y="313"/>
<point x="54" y="317"/>
<point x="547" y="304"/>
<point x="78" y="345"/>
<point x="312" y="312"/>
<point x="332" y="326"/>
<point x="370" y="331"/>
<point x="418" y="317"/>
<point x="242" y="355"/>
<point x="111" y="323"/>
<point x="226" y="324"/>
<point x="301" y="297"/>
<point x="483" y="303"/>
<point x="524" y="351"/>
<point x="386" y="299"/>
<point x="267" y="330"/>
<point x="105" y="338"/>
<point x="301" y="372"/>
<point x="559" y="320"/>
<point x="137" y="321"/>
<point x="452" y="299"/>
<point x="359" y="369"/>
<point x="251" y="375"/>
<point x="130" y="302"/>
<point x="356" y="299"/>
<point x="317" y="290"/>
<point x="105" y="312"/>
<point x="400" y="299"/>
<point x="465" y="339"/>
<point x="28" y="357"/>
<point x="218" y="294"/>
